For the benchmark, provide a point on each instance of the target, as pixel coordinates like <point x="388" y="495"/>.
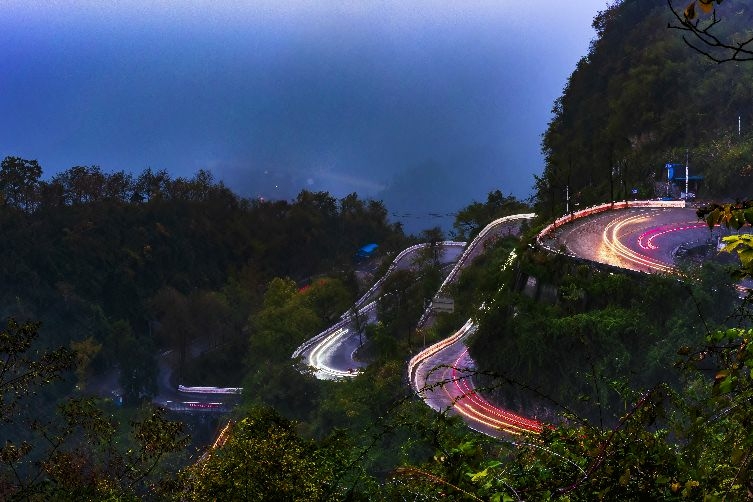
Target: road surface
<point x="331" y="355"/>
<point x="641" y="239"/>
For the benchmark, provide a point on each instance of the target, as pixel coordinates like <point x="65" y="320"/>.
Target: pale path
<point x="331" y="354"/>
<point x="442" y="374"/>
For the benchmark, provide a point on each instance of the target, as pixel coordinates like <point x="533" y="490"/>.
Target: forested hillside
<point x="123" y="265"/>
<point x="637" y="101"/>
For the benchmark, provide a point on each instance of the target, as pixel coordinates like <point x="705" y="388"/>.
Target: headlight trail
<point x="317" y="356"/>
<point x="458" y="389"/>
<point x="610" y="237"/>
<point x="468" y="403"/>
<point x="646" y="239"/>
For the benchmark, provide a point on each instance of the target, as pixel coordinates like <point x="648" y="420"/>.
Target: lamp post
<point x="687" y="178"/>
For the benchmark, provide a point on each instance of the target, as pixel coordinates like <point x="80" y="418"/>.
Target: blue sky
<point x="428" y="105"/>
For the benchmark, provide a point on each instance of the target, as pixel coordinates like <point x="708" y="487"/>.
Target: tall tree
<point x="265" y="459"/>
<point x="471" y="219"/>
<point x="19" y="182"/>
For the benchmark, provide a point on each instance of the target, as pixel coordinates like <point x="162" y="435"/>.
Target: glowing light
<point x="223" y="435"/>
<point x="610" y="236"/>
<point x="646" y="239"/>
<point x="481" y="410"/>
<point x="195" y="404"/>
<point x="210" y="390"/>
<point x="318" y="355"/>
<point x="464" y="398"/>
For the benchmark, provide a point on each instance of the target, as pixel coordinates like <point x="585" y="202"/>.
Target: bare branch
<point x="702" y="39"/>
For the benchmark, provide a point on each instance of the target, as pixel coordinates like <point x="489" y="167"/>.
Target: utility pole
<point x="569" y="172"/>
<point x="739" y="126"/>
<point x="611" y="177"/>
<point x="687" y="178"/>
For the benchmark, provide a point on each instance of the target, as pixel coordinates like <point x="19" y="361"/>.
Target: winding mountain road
<point x="642" y="238"/>
<point x="331" y="354"/>
<point x="442" y="373"/>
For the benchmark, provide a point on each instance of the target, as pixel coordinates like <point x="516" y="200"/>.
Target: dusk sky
<point x="427" y="105"/>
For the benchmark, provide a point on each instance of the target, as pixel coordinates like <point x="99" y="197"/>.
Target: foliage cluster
<point x="79" y="452"/>
<point x="665" y="420"/>
<point x="472" y="218"/>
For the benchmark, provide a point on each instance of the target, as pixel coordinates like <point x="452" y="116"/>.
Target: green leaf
<point x="737" y="221"/>
<point x="748" y="215"/>
<point x="746" y="256"/>
<point x="479" y="475"/>
<point x="725" y="386"/>
<point x="467" y="447"/>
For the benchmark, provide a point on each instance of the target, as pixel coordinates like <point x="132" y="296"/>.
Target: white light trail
<point x="318" y="355"/>
<point x="611" y="238"/>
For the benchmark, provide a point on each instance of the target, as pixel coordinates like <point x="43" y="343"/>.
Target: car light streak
<point x="458" y="387"/>
<point x="219" y="442"/>
<point x="210" y="390"/>
<point x="394" y="265"/>
<point x="432" y="350"/>
<point x="318" y="350"/>
<point x="317" y="356"/>
<point x="223" y="435"/>
<point x="610" y="237"/>
<point x="568" y="218"/>
<point x="459" y="390"/>
<point x="646" y="239"/>
<point x="514" y="219"/>
<point x="456" y="383"/>
<point x="195" y="406"/>
<point x="469" y="403"/>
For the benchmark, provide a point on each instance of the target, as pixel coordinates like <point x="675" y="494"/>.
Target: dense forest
<point x="124" y="265"/>
<point x="105" y="273"/>
<point x="644" y="382"/>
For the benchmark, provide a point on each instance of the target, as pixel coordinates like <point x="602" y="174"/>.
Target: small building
<point x="676" y="181"/>
<point x="366" y="251"/>
<point x="443" y="304"/>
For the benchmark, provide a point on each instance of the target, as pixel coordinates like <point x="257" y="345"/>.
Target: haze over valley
<point x="425" y="105"/>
